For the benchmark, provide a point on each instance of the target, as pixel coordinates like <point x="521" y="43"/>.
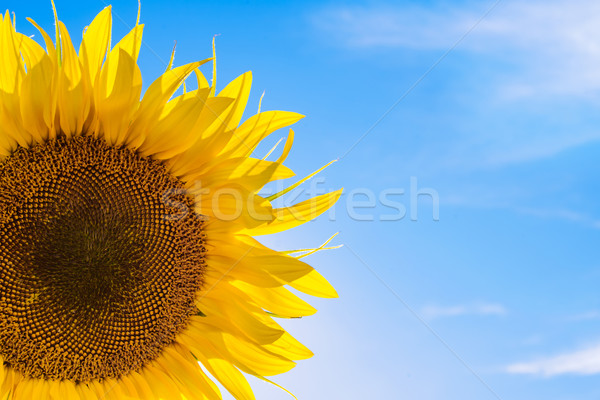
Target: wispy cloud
<point x="562" y="214"/>
<point x="586" y="316"/>
<point x="521" y="145"/>
<point x="560" y="35"/>
<point x="481" y="197"/>
<point x="581" y="362"/>
<point x="535" y="148"/>
<point x="433" y="312"/>
<point x="524" y="85"/>
<point x="408" y="26"/>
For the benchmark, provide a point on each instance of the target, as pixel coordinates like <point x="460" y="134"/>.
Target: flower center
<point x="100" y="259"/>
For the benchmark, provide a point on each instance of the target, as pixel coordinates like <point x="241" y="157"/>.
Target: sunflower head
<point x="128" y="262"/>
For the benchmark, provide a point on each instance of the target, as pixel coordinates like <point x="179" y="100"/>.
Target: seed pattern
<point x="99" y="262"/>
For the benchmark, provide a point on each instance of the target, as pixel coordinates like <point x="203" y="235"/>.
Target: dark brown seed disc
<point x="100" y="259"/>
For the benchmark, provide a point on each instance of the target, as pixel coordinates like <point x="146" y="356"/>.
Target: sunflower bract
<point x="128" y="263"/>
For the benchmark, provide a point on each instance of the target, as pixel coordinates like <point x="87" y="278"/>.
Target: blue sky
<point x="498" y="298"/>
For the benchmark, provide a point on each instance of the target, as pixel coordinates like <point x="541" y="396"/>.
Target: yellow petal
<point x="247" y="356"/>
<point x="238" y="89"/>
<point x="2" y="371"/>
<point x="50" y="49"/>
<point x="287" y="148"/>
<point x="11" y="76"/>
<point x="245" y="138"/>
<point x="222" y="132"/>
<point x="273" y="149"/>
<point x="41" y="389"/>
<point x="228" y="375"/>
<point x="132" y="42"/>
<point x="300" y="182"/>
<point x="117" y="99"/>
<point x="68" y="390"/>
<point x="130" y="45"/>
<point x="236" y="268"/>
<point x="12" y="67"/>
<point x="288" y="347"/>
<point x="74" y="100"/>
<point x="277" y="300"/>
<point x="141" y="386"/>
<point x="176" y="129"/>
<point x="207" y="144"/>
<point x="189" y="374"/>
<point x="38" y="104"/>
<point x="314" y="284"/>
<point x="31" y="51"/>
<point x="128" y="387"/>
<point x="160" y="383"/>
<point x="241" y="316"/>
<point x="201" y="79"/>
<point x="291" y="217"/>
<point x="250" y="173"/>
<point x="155" y="99"/>
<point x="232" y="204"/>
<point x="94" y="44"/>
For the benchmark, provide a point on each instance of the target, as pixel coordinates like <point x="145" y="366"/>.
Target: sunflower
<point x="129" y="266"/>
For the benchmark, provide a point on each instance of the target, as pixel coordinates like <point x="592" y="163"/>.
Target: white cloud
<point x="530" y="61"/>
<point x="499" y="198"/>
<point x="432" y="312"/>
<point x="539" y="148"/>
<point x="525" y="76"/>
<point x="394" y="27"/>
<point x="562" y="214"/>
<point x="581" y="362"/>
<point x="557" y="41"/>
<point x="586" y="316"/>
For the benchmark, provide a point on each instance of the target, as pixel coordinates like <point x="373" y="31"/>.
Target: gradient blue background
<point x="499" y="298"/>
